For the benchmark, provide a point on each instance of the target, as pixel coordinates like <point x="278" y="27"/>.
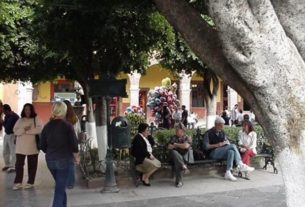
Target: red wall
<point x="43" y="111"/>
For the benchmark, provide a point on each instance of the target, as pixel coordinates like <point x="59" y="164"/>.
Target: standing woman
<point x="25" y="130"/>
<point x="71" y="117"/>
<point x="59" y="142"/>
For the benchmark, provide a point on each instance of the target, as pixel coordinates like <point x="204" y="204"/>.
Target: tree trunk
<point x="90" y="124"/>
<point x="262" y="64"/>
<point x="101" y="130"/>
<point x="211" y="112"/>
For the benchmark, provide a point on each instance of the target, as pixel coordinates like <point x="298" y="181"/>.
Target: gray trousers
<point x="9" y="153"/>
<point x="178" y="160"/>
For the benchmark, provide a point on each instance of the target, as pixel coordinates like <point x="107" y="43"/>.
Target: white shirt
<point x="149" y="148"/>
<point x="248" y="140"/>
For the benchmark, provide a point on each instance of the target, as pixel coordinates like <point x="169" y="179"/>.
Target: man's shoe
<point x="179" y="184"/>
<point x="229" y="176"/>
<point x="5" y="168"/>
<point x="28" y="186"/>
<point x="17" y="186"/>
<point x="245" y="168"/>
<point x="10" y="170"/>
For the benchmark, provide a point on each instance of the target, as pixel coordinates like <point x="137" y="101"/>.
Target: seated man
<point x="179" y="147"/>
<point x="219" y="148"/>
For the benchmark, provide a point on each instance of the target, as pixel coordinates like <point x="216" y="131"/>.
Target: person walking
<point x="9" y="139"/>
<point x="71" y="117"/>
<point x="59" y="142"/>
<point x="25" y="130"/>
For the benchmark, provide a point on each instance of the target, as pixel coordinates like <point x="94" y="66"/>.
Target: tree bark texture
<point x="252" y="52"/>
<point x="90" y="124"/>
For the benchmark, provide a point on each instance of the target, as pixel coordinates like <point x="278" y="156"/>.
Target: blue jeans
<point x="229" y="153"/>
<point x="59" y="170"/>
<point x="71" y="176"/>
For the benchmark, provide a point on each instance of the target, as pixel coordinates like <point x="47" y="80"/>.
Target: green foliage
<point x="163" y="136"/>
<point x="101" y="37"/>
<point x="134" y="121"/>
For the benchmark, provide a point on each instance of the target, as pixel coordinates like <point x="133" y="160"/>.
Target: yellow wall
<point x="154" y="76"/>
<point x="196" y="77"/>
<point x="43" y="92"/>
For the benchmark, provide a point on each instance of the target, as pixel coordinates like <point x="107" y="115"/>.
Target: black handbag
<point x="37" y="137"/>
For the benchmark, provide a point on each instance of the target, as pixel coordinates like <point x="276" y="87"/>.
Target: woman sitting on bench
<point x="141" y="149"/>
<point x="247" y="139"/>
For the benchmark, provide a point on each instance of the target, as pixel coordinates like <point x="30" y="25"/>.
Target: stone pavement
<point x="209" y="189"/>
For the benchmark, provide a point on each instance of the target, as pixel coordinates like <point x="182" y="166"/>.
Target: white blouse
<point x="248" y="140"/>
<point x="149" y="148"/>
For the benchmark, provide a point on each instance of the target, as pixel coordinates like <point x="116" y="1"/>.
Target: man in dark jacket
<point x="9" y="139"/>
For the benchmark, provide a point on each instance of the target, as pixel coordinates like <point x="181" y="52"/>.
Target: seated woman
<point x="247" y="139"/>
<point x="141" y="149"/>
<point x="179" y="147"/>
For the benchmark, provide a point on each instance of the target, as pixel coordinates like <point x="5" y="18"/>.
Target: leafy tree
<point x="258" y="49"/>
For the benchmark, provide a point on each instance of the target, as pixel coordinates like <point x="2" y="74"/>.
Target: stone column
<point x="232" y="98"/>
<point x="185" y="90"/>
<point x="134" y="79"/>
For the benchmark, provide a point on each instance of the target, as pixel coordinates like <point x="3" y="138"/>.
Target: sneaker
<point x="28" y="186"/>
<point x="10" y="170"/>
<point x="229" y="176"/>
<point x="245" y="168"/>
<point x="179" y="184"/>
<point x="5" y="168"/>
<point x="17" y="186"/>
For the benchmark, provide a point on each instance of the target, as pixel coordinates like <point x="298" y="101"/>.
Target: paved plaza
<point x="209" y="189"/>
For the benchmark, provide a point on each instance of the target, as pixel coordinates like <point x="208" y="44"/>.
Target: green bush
<point x="162" y="136"/>
<point x="134" y="121"/>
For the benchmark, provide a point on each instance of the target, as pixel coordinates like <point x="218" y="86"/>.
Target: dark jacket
<point x="139" y="148"/>
<point x="213" y="137"/>
<point x="58" y="140"/>
<point x="9" y="122"/>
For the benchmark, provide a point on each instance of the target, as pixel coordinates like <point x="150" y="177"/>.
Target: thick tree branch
<point x="203" y="40"/>
<point x="292" y="17"/>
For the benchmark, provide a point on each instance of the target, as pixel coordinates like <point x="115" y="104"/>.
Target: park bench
<point x="264" y="150"/>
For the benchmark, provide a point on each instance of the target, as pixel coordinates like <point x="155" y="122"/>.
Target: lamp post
<point x="108" y="88"/>
<point x="110" y="185"/>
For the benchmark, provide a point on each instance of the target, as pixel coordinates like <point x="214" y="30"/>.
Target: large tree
<point x="178" y="57"/>
<point x="258" y="49"/>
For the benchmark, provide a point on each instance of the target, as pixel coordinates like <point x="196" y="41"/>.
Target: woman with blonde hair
<point x="59" y="142"/>
<point x="71" y="117"/>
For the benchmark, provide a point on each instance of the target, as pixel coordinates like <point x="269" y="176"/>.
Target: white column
<point x="24" y="94"/>
<point x="232" y="98"/>
<point x="185" y="90"/>
<point x="134" y="78"/>
<point x="211" y="113"/>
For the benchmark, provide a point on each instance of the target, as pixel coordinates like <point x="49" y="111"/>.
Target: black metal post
<point x="110" y="185"/>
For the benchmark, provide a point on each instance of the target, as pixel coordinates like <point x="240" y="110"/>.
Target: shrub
<point x="162" y="136"/>
<point x="134" y="121"/>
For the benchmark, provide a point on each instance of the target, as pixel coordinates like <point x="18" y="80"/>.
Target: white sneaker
<point x="229" y="176"/>
<point x="245" y="168"/>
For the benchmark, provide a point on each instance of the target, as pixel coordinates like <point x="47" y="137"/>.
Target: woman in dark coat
<point x="141" y="149"/>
